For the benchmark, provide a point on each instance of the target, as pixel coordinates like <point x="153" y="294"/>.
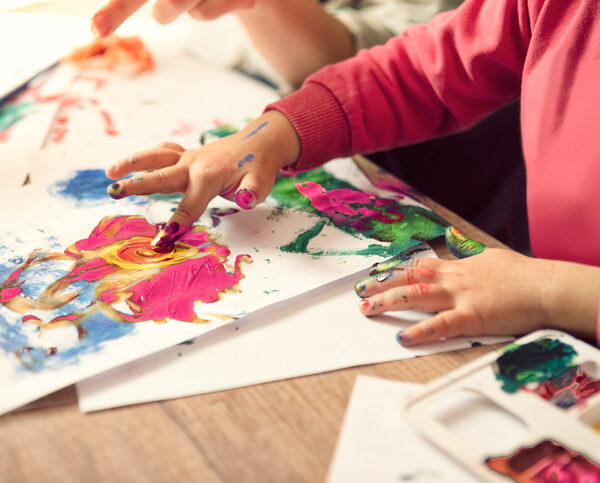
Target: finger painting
<point x="83" y="290"/>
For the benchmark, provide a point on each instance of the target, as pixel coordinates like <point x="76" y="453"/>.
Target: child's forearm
<point x="297" y="37"/>
<point x="572" y="298"/>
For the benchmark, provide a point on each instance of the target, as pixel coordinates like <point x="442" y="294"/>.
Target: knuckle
<point x="418" y="289"/>
<point x="444" y="323"/>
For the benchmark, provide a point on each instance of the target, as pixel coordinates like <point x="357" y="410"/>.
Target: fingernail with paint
<point x="461" y="246"/>
<point x="167" y="236"/>
<point x="402" y="338"/>
<point x="245" y="198"/>
<point x="365" y="304"/>
<point x="116" y="191"/>
<point x="360" y="287"/>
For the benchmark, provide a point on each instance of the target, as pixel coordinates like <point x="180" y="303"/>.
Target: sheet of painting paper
<point x="376" y="443"/>
<point x="319" y="331"/>
<point x="80" y="285"/>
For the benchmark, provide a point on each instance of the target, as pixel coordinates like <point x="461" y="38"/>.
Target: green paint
<point x="537" y="361"/>
<point x="300" y="244"/>
<point x="417" y="224"/>
<point x="11" y="113"/>
<point x="137" y="179"/>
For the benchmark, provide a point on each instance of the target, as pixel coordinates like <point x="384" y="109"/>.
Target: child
<point x="432" y="80"/>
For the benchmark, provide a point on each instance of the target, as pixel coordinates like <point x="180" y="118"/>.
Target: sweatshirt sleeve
<point x="429" y="81"/>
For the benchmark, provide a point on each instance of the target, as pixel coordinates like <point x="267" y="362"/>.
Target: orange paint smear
<point x="124" y="54"/>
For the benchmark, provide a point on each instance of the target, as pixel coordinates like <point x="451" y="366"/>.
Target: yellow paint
<point x="141" y="255"/>
<point x="597" y="426"/>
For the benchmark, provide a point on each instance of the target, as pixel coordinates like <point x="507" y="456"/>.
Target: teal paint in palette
<point x="547" y="381"/>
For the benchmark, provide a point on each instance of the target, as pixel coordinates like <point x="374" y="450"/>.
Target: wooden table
<point x="282" y="432"/>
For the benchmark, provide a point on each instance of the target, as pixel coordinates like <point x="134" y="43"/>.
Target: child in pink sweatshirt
<point x="430" y="81"/>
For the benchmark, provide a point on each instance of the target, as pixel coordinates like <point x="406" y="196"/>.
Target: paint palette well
<point x="541" y="423"/>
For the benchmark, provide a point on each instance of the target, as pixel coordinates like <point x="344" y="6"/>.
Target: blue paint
<point x="16" y="339"/>
<point x="248" y="157"/>
<point x="252" y="133"/>
<point x="86" y="187"/>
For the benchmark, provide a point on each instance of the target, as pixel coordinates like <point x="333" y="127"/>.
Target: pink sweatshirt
<point x="445" y="76"/>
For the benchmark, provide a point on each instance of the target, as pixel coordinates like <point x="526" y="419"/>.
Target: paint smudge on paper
<point x="547" y="461"/>
<point x="537" y="361"/>
<point x="10" y="114"/>
<point x="116" y="272"/>
<point x="216" y="214"/>
<point x="126" y="55"/>
<point x="109" y="124"/>
<point x="569" y="388"/>
<point x="183" y="128"/>
<point x="359" y="213"/>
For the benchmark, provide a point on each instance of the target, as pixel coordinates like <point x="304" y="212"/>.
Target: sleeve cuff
<point x="319" y="121"/>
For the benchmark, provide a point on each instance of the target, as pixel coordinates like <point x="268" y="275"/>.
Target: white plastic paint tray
<point x="482" y="421"/>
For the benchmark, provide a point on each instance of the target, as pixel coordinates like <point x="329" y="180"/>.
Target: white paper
<point x="376" y="443"/>
<point x="319" y="331"/>
<point x="14" y="166"/>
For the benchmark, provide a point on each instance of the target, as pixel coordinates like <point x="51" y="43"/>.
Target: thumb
<point x="253" y="189"/>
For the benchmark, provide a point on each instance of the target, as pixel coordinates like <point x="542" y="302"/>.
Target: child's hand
<point x="241" y="167"/>
<point x="114" y="12"/>
<point x="498" y="292"/>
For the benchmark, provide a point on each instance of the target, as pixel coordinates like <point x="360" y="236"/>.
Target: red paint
<point x="10" y="288"/>
<point x="183" y="128"/>
<point x="545" y="462"/>
<point x="568" y="389"/>
<point x="109" y="125"/>
<point x="344" y="205"/>
<point x="99" y="82"/>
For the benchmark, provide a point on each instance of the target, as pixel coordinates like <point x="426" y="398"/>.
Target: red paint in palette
<point x="547" y="461"/>
<point x="568" y="389"/>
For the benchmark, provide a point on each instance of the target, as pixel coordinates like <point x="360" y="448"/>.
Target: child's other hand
<point x="114" y="12"/>
<point x="498" y="292"/>
<point x="241" y="167"/>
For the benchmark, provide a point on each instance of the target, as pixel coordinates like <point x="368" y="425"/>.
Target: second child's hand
<point x="114" y="12"/>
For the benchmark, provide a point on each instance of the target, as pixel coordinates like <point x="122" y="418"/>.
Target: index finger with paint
<point x="241" y="167"/>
